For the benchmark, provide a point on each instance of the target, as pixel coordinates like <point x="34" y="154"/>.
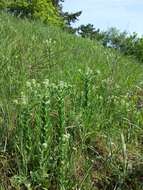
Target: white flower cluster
<point x="46" y="83"/>
<point x="32" y="84"/>
<point x="66" y="137"/>
<point x="35" y="91"/>
<point x="89" y="72"/>
<point x="49" y="42"/>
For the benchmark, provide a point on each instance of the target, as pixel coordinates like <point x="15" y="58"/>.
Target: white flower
<point x="15" y="101"/>
<point x="33" y="81"/>
<point x="89" y="71"/>
<point x="98" y="72"/>
<point x="46" y="82"/>
<point x="66" y="136"/>
<point x="79" y="70"/>
<point x="75" y="149"/>
<point x="48" y="41"/>
<point x="28" y="84"/>
<point x="62" y="84"/>
<point x="47" y="102"/>
<point x="24" y="100"/>
<point x="45" y="145"/>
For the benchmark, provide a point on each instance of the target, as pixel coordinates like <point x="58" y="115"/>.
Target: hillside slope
<point x="71" y="111"/>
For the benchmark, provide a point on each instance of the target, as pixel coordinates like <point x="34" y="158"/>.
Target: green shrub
<point x="36" y="9"/>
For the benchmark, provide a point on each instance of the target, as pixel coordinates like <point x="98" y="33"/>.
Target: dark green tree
<point x="68" y="18"/>
<point x="71" y="18"/>
<point x="88" y="31"/>
<point x="57" y="3"/>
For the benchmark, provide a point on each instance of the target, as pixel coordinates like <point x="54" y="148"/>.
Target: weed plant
<point x="71" y="112"/>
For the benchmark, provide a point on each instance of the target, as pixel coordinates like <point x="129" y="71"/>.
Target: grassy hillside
<point x="71" y="112"/>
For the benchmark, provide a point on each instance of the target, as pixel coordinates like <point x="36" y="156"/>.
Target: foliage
<point x="69" y="18"/>
<point x="57" y="3"/>
<point x="88" y="31"/>
<point x="1" y="4"/>
<point x="122" y="41"/>
<point x="47" y="11"/>
<point x="131" y="45"/>
<point x="70" y="115"/>
<point x="36" y="9"/>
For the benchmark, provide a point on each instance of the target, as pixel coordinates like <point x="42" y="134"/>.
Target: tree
<point x="35" y="9"/>
<point x="71" y="17"/>
<point x="68" y="18"/>
<point x="88" y="31"/>
<point x="114" y="38"/>
<point x="50" y="11"/>
<point x="57" y="3"/>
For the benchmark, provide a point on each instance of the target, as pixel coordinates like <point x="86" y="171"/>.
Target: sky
<point x="123" y="14"/>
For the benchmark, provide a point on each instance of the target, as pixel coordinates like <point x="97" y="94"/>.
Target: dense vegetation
<point x="51" y="12"/>
<point x="47" y="11"/>
<point x="39" y="9"/>
<point x="71" y="112"/>
<point x="127" y="44"/>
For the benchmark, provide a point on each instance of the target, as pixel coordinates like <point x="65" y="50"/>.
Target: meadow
<point x="71" y="111"/>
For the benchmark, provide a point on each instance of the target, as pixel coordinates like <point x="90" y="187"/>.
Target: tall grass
<point x="71" y="112"/>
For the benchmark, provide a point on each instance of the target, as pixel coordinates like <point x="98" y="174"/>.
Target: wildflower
<point x="33" y="81"/>
<point x="45" y="145"/>
<point x="24" y="99"/>
<point x="62" y="84"/>
<point x="74" y="148"/>
<point x="47" y="102"/>
<point x="98" y="72"/>
<point x="48" y="41"/>
<point x="79" y="70"/>
<point x="46" y="82"/>
<point x="66" y="136"/>
<point x="123" y="102"/>
<point x="15" y="101"/>
<point x="89" y="71"/>
<point x="28" y="84"/>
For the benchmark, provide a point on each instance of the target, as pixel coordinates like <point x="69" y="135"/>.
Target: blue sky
<point x="123" y="14"/>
